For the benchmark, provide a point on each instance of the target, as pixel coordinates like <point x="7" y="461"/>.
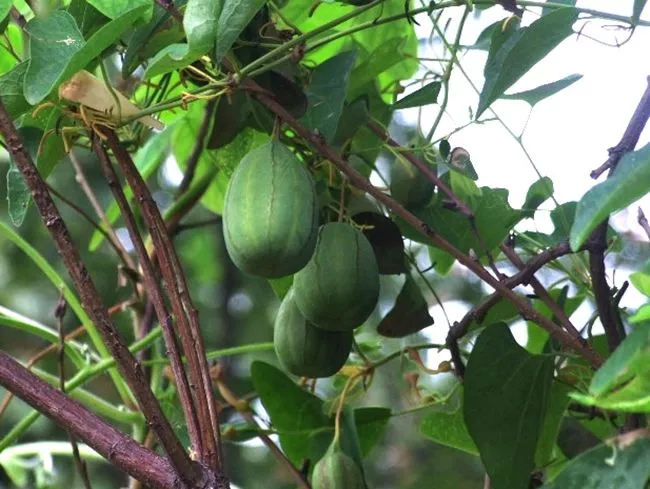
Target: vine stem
<point x="358" y="180"/>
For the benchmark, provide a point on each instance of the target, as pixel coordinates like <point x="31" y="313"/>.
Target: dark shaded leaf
<point x="557" y="406"/>
<point x="514" y="52"/>
<point x="506" y="395"/>
<point x="409" y="315"/>
<point x="371" y="423"/>
<point x="426" y="95"/>
<point x="327" y="92"/>
<point x="574" y="439"/>
<point x="537" y="194"/>
<point x="354" y="116"/>
<point x="630" y="182"/>
<point x="152" y="37"/>
<point x="445" y="148"/>
<point x="386" y="240"/>
<point x="286" y="92"/>
<point x="623" y="465"/>
<point x="535" y="95"/>
<point x="230" y="117"/>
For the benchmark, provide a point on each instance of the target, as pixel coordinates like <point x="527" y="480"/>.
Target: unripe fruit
<point x="336" y="471"/>
<point x="339" y="287"/>
<point x="305" y="350"/>
<point x="270" y="215"/>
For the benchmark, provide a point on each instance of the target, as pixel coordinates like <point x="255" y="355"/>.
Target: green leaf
<point x="513" y="55"/>
<point x="639" y="5"/>
<point x="371" y="423"/>
<point x="548" y="10"/>
<point x="87" y="17"/>
<point x="641" y="315"/>
<point x="537" y="194"/>
<point x="11" y="90"/>
<point x="58" y="50"/>
<point x="449" y="429"/>
<point x="326" y="94"/>
<point x="117" y="8"/>
<point x="641" y="282"/>
<point x="493" y="216"/>
<point x="386" y="241"/>
<point x="630" y="182"/>
<point x="291" y="409"/>
<point x="372" y="64"/>
<point x="621" y="466"/>
<point x="224" y="159"/>
<point x="354" y="116"/>
<point x="409" y="315"/>
<point x="151" y="38"/>
<point x="201" y="26"/>
<point x="17" y="471"/>
<point x="623" y="382"/>
<point x="557" y="406"/>
<point x="281" y="285"/>
<point x="5" y="8"/>
<point x="535" y="95"/>
<point x="426" y="95"/>
<point x="506" y="395"/>
<point x="18" y="195"/>
<point x="234" y="17"/>
<point x="147" y="160"/>
<point x="538" y="337"/>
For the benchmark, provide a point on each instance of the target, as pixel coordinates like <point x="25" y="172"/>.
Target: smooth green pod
<point x="339" y="287"/>
<point x="305" y="350"/>
<point x="270" y="217"/>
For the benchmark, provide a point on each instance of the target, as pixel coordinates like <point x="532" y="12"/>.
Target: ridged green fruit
<point x="305" y="350"/>
<point x="408" y="186"/>
<point x="336" y="471"/>
<point x="339" y="287"/>
<point x="270" y="216"/>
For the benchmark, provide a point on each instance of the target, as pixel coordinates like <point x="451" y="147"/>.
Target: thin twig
<point x="156" y="297"/>
<point x="609" y="316"/>
<point x="183" y="308"/>
<point x="94" y="305"/>
<point x="81" y="179"/>
<point x="199" y="146"/>
<point x="154" y="470"/>
<point x="59" y="313"/>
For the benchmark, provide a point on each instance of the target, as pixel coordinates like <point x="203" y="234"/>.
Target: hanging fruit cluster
<point x="271" y="229"/>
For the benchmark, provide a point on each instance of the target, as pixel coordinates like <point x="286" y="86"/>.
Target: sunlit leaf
<point x="630" y="182"/>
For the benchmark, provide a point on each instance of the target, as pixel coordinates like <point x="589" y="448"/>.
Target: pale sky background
<point x="567" y="135"/>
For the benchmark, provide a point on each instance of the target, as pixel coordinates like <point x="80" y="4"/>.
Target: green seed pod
<point x="270" y="220"/>
<point x="336" y="471"/>
<point x="339" y="287"/>
<point x="305" y="350"/>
